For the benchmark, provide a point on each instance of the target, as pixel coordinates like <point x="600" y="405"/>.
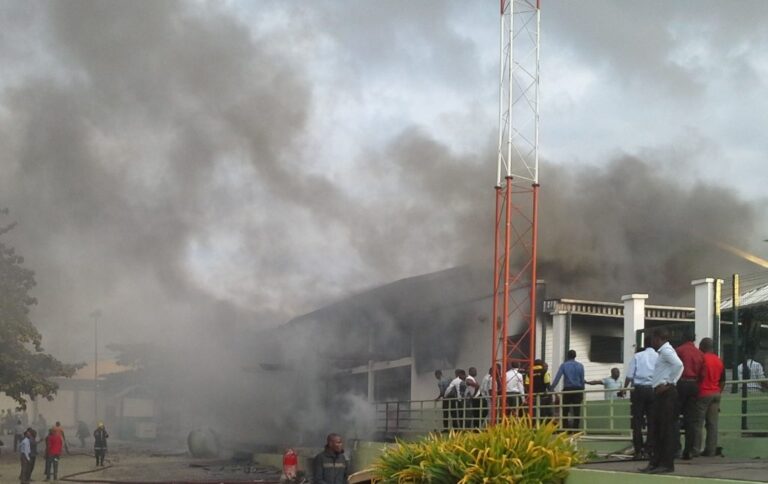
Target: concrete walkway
<point x="706" y="468"/>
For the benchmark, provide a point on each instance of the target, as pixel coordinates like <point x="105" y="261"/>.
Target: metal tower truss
<point x="517" y="192"/>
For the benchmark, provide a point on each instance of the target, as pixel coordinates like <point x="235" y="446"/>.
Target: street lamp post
<point x="96" y="315"/>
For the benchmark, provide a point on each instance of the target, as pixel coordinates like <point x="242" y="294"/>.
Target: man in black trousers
<point x="666" y="373"/>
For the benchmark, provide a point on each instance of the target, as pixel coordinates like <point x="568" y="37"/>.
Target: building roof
<point x="753" y="297"/>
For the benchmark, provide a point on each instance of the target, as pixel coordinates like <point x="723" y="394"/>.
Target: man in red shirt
<point x="711" y="386"/>
<point x="688" y="388"/>
<point x="53" y="445"/>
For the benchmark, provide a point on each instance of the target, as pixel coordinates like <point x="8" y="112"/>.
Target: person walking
<point x="666" y="373"/>
<point x="100" y="437"/>
<point x="25" y="456"/>
<point x="711" y="387"/>
<point x="640" y="376"/>
<point x="331" y="465"/>
<point x="688" y="389"/>
<point x="442" y="386"/>
<point x="53" y="447"/>
<point x="572" y="373"/>
<point x="82" y="433"/>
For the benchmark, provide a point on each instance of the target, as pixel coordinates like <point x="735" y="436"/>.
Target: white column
<point x="559" y="322"/>
<point x="634" y="319"/>
<point x="704" y="302"/>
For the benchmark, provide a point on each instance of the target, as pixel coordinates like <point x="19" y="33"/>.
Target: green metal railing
<point x="740" y="414"/>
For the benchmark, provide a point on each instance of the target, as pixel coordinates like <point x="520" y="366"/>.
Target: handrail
<point x="741" y="413"/>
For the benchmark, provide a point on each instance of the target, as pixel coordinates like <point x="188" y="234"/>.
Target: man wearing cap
<point x="100" y="437"/>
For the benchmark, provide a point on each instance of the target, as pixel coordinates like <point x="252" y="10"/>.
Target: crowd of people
<point x="55" y="441"/>
<point x="466" y="401"/>
<point x="670" y="390"/>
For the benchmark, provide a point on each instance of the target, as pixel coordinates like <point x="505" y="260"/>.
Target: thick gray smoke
<point x="154" y="156"/>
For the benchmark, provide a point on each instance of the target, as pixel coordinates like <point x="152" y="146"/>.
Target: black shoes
<point x="662" y="470"/>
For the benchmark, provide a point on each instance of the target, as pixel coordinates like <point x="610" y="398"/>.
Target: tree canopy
<point x="25" y="369"/>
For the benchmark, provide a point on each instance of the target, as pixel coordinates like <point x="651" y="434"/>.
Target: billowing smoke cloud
<point x="155" y="156"/>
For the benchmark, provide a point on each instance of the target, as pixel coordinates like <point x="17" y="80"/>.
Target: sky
<point x="208" y="168"/>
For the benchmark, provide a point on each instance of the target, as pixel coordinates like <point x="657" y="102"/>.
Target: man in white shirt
<point x="472" y="396"/>
<point x="667" y="371"/>
<point x="25" y="454"/>
<point x="515" y="388"/>
<point x="612" y="385"/>
<point x="640" y="376"/>
<point x="754" y="372"/>
<point x="456" y="392"/>
<point x="485" y="393"/>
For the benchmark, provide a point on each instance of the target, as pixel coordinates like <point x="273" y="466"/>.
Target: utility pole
<point x="96" y="315"/>
<point x="517" y="195"/>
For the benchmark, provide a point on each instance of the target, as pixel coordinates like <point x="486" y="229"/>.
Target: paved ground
<point x="127" y="464"/>
<point x="712" y="467"/>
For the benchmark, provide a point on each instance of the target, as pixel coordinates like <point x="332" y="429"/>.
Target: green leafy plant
<point x="517" y="450"/>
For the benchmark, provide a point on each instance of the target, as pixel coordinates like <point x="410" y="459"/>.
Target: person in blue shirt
<point x="572" y="373"/>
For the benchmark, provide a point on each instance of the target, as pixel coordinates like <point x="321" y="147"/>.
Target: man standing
<point x="331" y="466"/>
<point x="25" y="455"/>
<point x="640" y="375"/>
<point x="53" y="446"/>
<point x="572" y="373"/>
<point x="612" y="385"/>
<point x="473" y="398"/>
<point x="100" y="437"/>
<point x="541" y="381"/>
<point x="32" y="434"/>
<point x="515" y="387"/>
<point x="688" y="388"/>
<point x="753" y="371"/>
<point x="663" y="415"/>
<point x="486" y="387"/>
<point x="442" y="386"/>
<point x="708" y="404"/>
<point x="456" y="391"/>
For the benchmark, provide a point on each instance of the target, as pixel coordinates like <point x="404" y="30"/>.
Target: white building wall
<point x="580" y="341"/>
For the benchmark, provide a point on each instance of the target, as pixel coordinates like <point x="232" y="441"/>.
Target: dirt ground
<point x="127" y="463"/>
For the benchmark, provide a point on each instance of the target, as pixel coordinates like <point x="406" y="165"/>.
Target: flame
<point x="743" y="254"/>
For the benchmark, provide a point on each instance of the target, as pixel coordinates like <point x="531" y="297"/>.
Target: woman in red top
<point x="711" y="385"/>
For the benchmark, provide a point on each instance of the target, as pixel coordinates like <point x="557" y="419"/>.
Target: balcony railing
<point x="743" y="413"/>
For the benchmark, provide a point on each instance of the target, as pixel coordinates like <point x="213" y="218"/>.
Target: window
<point x="606" y="349"/>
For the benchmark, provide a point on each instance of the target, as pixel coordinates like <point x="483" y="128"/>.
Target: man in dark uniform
<point x="100" y="437"/>
<point x="331" y="465"/>
<point x="541" y="380"/>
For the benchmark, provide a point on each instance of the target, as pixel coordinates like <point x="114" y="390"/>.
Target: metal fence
<point x="744" y="412"/>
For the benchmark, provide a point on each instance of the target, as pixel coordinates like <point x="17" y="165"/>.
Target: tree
<point x="25" y="369"/>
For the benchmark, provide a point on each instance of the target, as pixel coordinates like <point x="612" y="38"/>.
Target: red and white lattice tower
<point x="517" y="192"/>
